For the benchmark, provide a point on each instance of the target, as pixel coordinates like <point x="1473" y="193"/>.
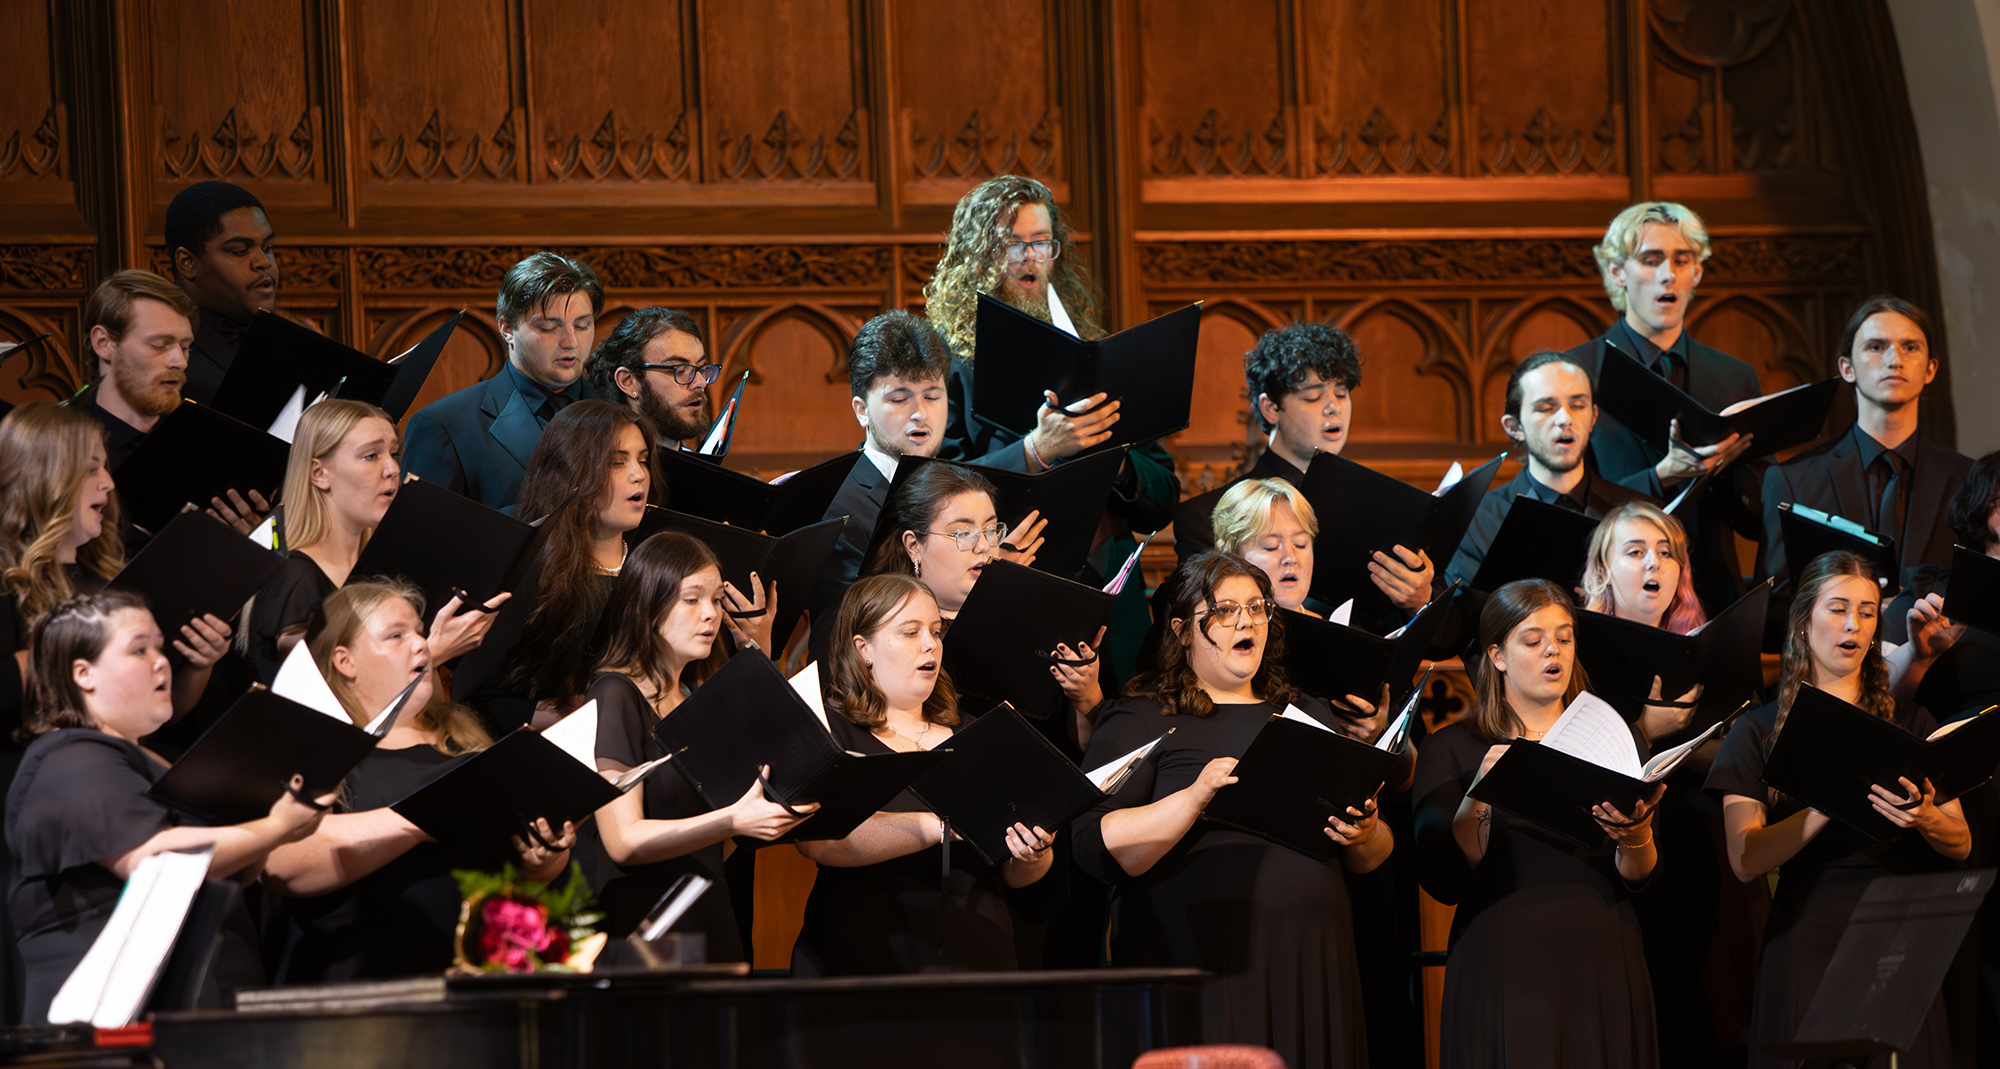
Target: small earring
<point x="917" y="566"/>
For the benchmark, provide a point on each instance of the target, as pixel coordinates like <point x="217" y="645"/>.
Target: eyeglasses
<point x="1021" y="251"/>
<point x="686" y="374"/>
<point x="968" y="539"/>
<point x="1232" y="613"/>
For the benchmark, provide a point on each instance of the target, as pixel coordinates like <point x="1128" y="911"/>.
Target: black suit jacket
<point x="477" y="441"/>
<point x="861" y="499"/>
<point x="1729" y="507"/>
<point x="1194" y="519"/>
<point x="1604" y="494"/>
<point x="1830" y="478"/>
<point x="216" y="339"/>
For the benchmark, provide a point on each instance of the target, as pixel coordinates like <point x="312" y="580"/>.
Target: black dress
<point x="1817" y="892"/>
<point x="286" y="602"/>
<point x="625" y="721"/>
<point x="1546" y="966"/>
<point x="1274" y="925"/>
<point x="400" y="919"/>
<point x="79" y="798"/>
<point x="903" y="915"/>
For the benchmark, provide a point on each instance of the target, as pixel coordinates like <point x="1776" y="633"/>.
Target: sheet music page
<point x="1059" y="316"/>
<point x="633" y="776"/>
<point x="1591" y="729"/>
<point x="1117" y="584"/>
<point x="576" y="734"/>
<point x="1343" y="615"/>
<point x="266" y="534"/>
<point x="806" y="683"/>
<point x="109" y="986"/>
<point x="299" y="679"/>
<point x="385" y="720"/>
<point x="1293" y="712"/>
<point x="1103" y="775"/>
<point x="1959" y="723"/>
<point x="1663" y="763"/>
<point x="287" y="423"/>
<point x="1451" y="476"/>
<point x="1754" y="401"/>
<point x="1392" y="737"/>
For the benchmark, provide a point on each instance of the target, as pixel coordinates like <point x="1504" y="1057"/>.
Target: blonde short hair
<point x="1621" y="238"/>
<point x="1245" y="509"/>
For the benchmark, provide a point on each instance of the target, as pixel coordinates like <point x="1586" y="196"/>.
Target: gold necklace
<point x="918" y="742"/>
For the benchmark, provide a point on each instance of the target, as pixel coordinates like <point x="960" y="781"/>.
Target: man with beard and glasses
<point x="1651" y="261"/>
<point x="1550" y="411"/>
<point x="1009" y="240"/>
<point x="140" y="327"/>
<point x="896" y="372"/>
<point x="656" y="364"/>
<point x="222" y="247"/>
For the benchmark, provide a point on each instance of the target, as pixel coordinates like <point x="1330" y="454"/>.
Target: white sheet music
<point x="806" y="683"/>
<point x="266" y="534"/>
<point x="576" y="734"/>
<point x="1754" y="401"/>
<point x="287" y="423"/>
<point x="109" y="987"/>
<point x="1393" y="735"/>
<point x="1664" y="762"/>
<point x="1591" y="729"/>
<point x="299" y="679"/>
<point x="1105" y="777"/>
<point x="1293" y="712"/>
<point x="1343" y="615"/>
<point x="1451" y="476"/>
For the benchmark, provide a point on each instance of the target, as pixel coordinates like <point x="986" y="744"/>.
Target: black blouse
<point x="286" y="602"/>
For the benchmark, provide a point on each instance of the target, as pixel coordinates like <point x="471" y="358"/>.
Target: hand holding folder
<point x="1299" y="775"/>
<point x="702" y="487"/>
<point x="1650" y="405"/>
<point x="1364" y="512"/>
<point x="791" y="563"/>
<point x="1624" y="658"/>
<point x="1010" y="631"/>
<point x="1331" y="660"/>
<point x="450" y="546"/>
<point x="282" y="365"/>
<point x="197" y="566"/>
<point x="1147" y="369"/>
<point x="1070" y="497"/>
<point x="1808" y="532"/>
<point x="195" y="454"/>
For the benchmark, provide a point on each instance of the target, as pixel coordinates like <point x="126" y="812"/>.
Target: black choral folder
<point x="484" y="800"/>
<point x="1004" y="639"/>
<point x="1330" y="660"/>
<point x="1537" y="540"/>
<point x="1071" y="496"/>
<point x="701" y="486"/>
<point x="1973" y="594"/>
<point x="443" y="542"/>
<point x="1647" y="404"/>
<point x="747" y="716"/>
<point x="1293" y="777"/>
<point x="278" y="358"/>
<point x="241" y="765"/>
<point x="1622" y="657"/>
<point x="196" y="565"/>
<point x="1830" y="753"/>
<point x="413" y="369"/>
<point x="1148" y="369"/>
<point x="793" y="561"/>
<point x="1557" y="790"/>
<point x="1002" y="772"/>
<point x="193" y="454"/>
<point x="1362" y="511"/>
<point x="1807" y="533"/>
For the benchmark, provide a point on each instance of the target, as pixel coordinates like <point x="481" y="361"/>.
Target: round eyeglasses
<point x="686" y="374"/>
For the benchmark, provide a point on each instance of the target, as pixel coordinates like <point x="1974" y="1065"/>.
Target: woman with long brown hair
<point x="1273" y="924"/>
<point x="1823" y="868"/>
<point x="372" y="896"/>
<point x="877" y="906"/>
<point x="1546" y="962"/>
<point x="665" y="616"/>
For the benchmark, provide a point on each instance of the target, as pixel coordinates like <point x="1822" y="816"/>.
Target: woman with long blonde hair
<point x="344" y="471"/>
<point x="374" y="897"/>
<point x="1637" y="569"/>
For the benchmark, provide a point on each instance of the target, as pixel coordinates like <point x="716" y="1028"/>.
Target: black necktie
<point x="1671" y="369"/>
<point x="1889" y="508"/>
<point x="552" y="403"/>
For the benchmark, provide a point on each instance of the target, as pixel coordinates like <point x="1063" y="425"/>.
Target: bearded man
<point x="141" y="329"/>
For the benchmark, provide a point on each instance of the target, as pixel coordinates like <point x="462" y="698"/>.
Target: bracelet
<point x="1641" y="846"/>
<point x="1028" y="444"/>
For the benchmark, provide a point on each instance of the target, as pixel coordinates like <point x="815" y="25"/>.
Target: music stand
<point x="1889" y="965"/>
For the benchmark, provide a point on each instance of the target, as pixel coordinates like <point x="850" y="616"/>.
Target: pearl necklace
<point x="624" y="551"/>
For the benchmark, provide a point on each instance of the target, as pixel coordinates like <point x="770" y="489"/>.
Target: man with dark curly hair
<point x="1301" y="381"/>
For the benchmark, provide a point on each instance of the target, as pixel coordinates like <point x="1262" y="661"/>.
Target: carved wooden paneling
<point x="442" y="110"/>
<point x="622" y="114"/>
<point x="781" y="90"/>
<point x="1540" y="90"/>
<point x="976" y="93"/>
<point x="33" y="124"/>
<point x="1729" y="89"/>
<point x="1200" y="121"/>
<point x="1379" y="78"/>
<point x="236" y="114"/>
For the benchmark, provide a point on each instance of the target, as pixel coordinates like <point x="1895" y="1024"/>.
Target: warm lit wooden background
<point x="1429" y="174"/>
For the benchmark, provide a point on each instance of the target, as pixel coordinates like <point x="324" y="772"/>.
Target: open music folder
<point x="793" y="560"/>
<point x="701" y="486"/>
<point x="445" y="542"/>
<point x="1004" y="638"/>
<point x="1071" y="496"/>
<point x="1808" y="532"/>
<point x="1148" y="369"/>
<point x="1298" y="772"/>
<point x="196" y="565"/>
<point x="1622" y="657"/>
<point x="1648" y="404"/>
<point x="1332" y="660"/>
<point x="747" y="716"/>
<point x="1973" y="596"/>
<point x="282" y="368"/>
<point x="193" y="454"/>
<point x="1002" y="771"/>
<point x="110" y="986"/>
<point x="1588" y="757"/>
<point x="1363" y="511"/>
<point x="1830" y="753"/>
<point x="1536" y="541"/>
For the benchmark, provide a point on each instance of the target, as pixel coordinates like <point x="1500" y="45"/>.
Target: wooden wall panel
<point x="1214" y="88"/>
<point x="443" y="110"/>
<point x="608" y="85"/>
<point x="780" y="90"/>
<point x="238" y="114"/>
<point x="975" y="91"/>
<point x="1379" y="76"/>
<point x="1541" y="91"/>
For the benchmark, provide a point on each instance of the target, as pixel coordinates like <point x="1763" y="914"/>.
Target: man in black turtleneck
<point x="223" y="256"/>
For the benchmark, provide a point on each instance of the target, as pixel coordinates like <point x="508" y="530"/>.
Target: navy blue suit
<point x="478" y="441"/>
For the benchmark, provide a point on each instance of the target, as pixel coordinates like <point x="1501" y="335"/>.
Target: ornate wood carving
<point x="978" y="150"/>
<point x="301" y="268"/>
<point x="37" y="153"/>
<point x="47" y="267"/>
<point x="784" y="151"/>
<point x="235" y="151"/>
<point x="678" y="267"/>
<point x="613" y="151"/>
<point x="446" y="152"/>
<point x="1181" y="263"/>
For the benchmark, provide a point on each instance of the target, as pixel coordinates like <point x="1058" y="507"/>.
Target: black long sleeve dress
<point x="1274" y="925"/>
<point x="903" y="915"/>
<point x="625" y="721"/>
<point x="286" y="602"/>
<point x="1547" y="967"/>
<point x="1817" y="891"/>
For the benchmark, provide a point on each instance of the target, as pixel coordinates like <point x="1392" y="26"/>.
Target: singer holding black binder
<point x="1823" y="867"/>
<point x="1519" y="885"/>
<point x="344" y="470"/>
<point x="1637" y="569"/>
<point x="894" y="896"/>
<point x="665" y="616"/>
<point x="78" y="818"/>
<point x="373" y="896"/>
<point x="1272" y="923"/>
